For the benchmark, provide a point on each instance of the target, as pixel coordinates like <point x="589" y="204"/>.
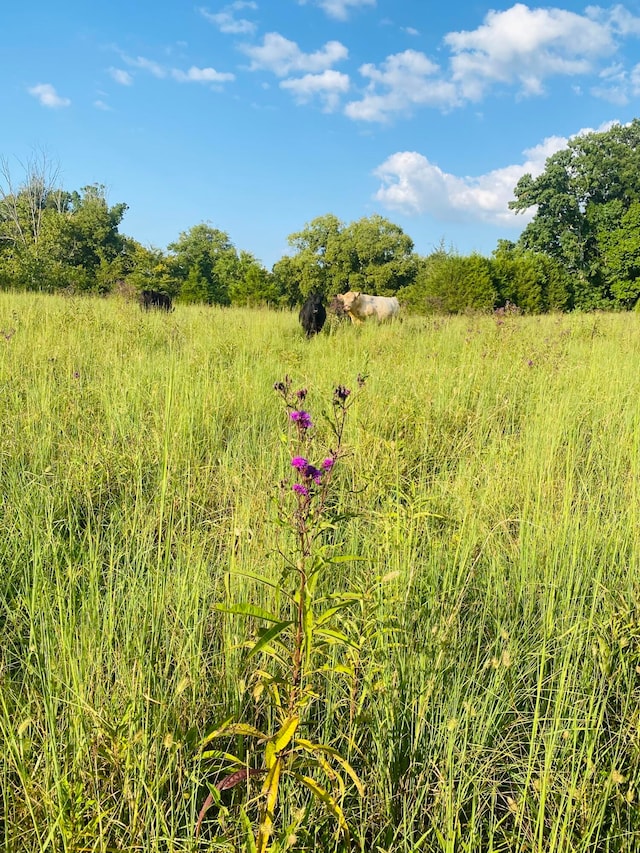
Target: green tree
<point x="51" y="238"/>
<point x="212" y="255"/>
<point x="320" y="256"/>
<point x="533" y="281"/>
<point x="379" y="256"/>
<point x="621" y="251"/>
<point x="92" y="236"/>
<point x="371" y="254"/>
<point x="287" y="275"/>
<point x="146" y="268"/>
<point x="252" y="284"/>
<point x="582" y="194"/>
<point x="449" y="283"/>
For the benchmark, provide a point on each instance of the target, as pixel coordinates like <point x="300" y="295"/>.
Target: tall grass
<point x="492" y="487"/>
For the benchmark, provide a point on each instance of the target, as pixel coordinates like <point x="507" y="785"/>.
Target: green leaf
<point x="325" y="798"/>
<point x="248" y="831"/>
<point x="331" y="611"/>
<point x="332" y="636"/>
<point x="337" y="669"/>
<point x="244" y="609"/>
<point x="255" y="577"/>
<point x="272" y="653"/>
<point x="217" y="732"/>
<point x="269" y="635"/>
<point x="235" y="729"/>
<point x="286" y="732"/>
<point x="227" y="756"/>
<point x="314" y="748"/>
<point x="347" y="558"/>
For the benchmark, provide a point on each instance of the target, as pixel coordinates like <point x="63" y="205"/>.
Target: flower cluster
<point x="302" y="419"/>
<point x="340" y="394"/>
<point x="311" y="479"/>
<point x="309" y="473"/>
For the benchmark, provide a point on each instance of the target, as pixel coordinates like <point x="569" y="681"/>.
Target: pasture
<point x="491" y="491"/>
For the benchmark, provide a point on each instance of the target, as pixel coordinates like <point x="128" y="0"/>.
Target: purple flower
<point x="530" y="363"/>
<point x="301" y="394"/>
<point x="340" y="394"/>
<point x="299" y="489"/>
<point x="303" y="419"/>
<point x="328" y="463"/>
<point x="299" y="462"/>
<point x="312" y="473"/>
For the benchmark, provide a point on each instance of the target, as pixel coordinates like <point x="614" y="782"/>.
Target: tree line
<point x="581" y="250"/>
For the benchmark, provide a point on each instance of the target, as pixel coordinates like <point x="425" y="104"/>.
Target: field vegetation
<point x="488" y="698"/>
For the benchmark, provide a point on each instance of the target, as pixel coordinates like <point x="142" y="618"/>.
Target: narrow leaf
<point x="245" y="609"/>
<point x="283" y="737"/>
<point x="269" y="635"/>
<point x="333" y="636"/>
<point x="315" y="748"/>
<point x="235" y="729"/>
<point x="270" y="789"/>
<point x="325" y="798"/>
<point x="248" y="831"/>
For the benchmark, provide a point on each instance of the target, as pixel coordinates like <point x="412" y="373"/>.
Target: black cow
<point x="155" y="299"/>
<point x="313" y="314"/>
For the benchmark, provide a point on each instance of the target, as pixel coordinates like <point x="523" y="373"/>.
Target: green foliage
<point x="533" y="281"/>
<point x="488" y="700"/>
<point x="449" y="283"/>
<point x="301" y="642"/>
<point x="371" y="255"/>
<point x="621" y="251"/>
<point x="51" y="239"/>
<point x="582" y="196"/>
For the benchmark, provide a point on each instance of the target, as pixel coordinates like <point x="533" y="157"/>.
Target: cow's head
<point x="349" y="299"/>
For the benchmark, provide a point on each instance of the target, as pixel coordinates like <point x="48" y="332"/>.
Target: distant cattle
<point x="154" y="299"/>
<point x="336" y="307"/>
<point x="313" y="314"/>
<point x="359" y="306"/>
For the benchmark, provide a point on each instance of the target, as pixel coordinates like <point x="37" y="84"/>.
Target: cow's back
<point x="380" y="307"/>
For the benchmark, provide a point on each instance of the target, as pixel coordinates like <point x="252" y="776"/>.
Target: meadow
<point x="490" y="490"/>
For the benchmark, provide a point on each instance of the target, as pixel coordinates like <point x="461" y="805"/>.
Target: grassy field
<point x="492" y="490"/>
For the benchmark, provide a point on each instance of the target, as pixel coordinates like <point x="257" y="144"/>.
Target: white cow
<point x="359" y="306"/>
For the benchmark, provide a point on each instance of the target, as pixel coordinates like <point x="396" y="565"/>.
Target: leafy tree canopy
<point x="581" y="196"/>
<point x="371" y="254"/>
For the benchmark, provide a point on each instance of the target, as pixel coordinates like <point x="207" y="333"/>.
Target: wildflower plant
<point x="299" y="645"/>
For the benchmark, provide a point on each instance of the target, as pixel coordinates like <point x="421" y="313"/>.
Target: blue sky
<point x="258" y="116"/>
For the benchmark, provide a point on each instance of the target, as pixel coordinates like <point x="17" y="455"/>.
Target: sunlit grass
<point x="492" y="486"/>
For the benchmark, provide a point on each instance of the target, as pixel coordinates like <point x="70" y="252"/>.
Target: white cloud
<point x="101" y="105"/>
<point x="408" y="79"/>
<point x="193" y="75"/>
<point x="520" y="47"/>
<point x="328" y="86"/>
<point x="618" y="86"/>
<point x="121" y="76"/>
<point x="48" y="96"/>
<point x="226" y="20"/>
<point x="146" y="65"/>
<point x="282" y="56"/>
<point x="340" y="9"/>
<point x="413" y="185"/>
<point x="525" y="46"/>
<point x="201" y="75"/>
<point x="617" y="18"/>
